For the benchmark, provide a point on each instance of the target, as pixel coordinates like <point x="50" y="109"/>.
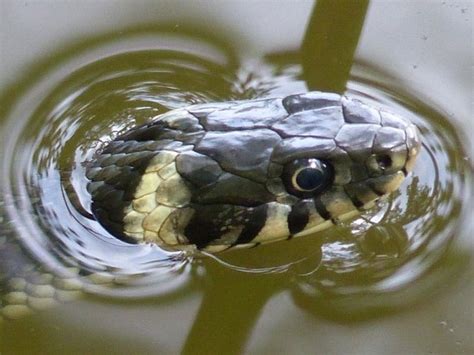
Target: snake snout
<point x="395" y="147"/>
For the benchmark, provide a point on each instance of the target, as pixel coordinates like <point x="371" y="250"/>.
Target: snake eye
<point x="307" y="177"/>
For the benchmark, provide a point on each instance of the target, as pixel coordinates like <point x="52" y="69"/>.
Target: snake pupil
<point x="307" y="177"/>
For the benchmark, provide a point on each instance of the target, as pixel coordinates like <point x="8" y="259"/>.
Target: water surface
<point x="398" y="267"/>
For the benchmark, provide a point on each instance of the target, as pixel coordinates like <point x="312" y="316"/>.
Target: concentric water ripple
<point x="45" y="184"/>
<point x="52" y="133"/>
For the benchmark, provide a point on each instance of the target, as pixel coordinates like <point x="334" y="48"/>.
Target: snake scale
<point x="243" y="173"/>
<point x="235" y="174"/>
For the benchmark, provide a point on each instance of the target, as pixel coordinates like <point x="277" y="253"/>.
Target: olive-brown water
<point x="395" y="280"/>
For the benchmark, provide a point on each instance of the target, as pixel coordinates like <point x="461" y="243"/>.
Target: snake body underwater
<point x="238" y="174"/>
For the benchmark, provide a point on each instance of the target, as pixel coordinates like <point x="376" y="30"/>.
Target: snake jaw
<point x="213" y="175"/>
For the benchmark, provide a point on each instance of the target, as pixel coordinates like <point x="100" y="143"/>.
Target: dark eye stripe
<point x="256" y="222"/>
<point x="298" y="217"/>
<point x="321" y="208"/>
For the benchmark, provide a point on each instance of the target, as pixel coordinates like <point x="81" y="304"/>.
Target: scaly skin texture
<point x="211" y="176"/>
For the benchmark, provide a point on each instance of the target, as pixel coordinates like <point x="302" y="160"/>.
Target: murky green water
<point x="396" y="280"/>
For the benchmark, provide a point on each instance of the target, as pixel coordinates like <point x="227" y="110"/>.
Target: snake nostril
<point x="384" y="161"/>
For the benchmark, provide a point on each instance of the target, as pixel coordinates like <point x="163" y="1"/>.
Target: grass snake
<point x="233" y="174"/>
<point x="243" y="173"/>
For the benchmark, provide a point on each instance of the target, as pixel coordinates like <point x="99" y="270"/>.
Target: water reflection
<point x="327" y="51"/>
<point x="352" y="271"/>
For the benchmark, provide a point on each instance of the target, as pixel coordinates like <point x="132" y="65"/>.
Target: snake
<point x="217" y="176"/>
<point x="244" y="173"/>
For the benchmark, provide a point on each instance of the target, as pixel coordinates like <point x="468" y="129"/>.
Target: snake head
<point x="242" y="173"/>
<point x="364" y="154"/>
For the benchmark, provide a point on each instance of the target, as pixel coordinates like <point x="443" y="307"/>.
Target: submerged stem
<point x="330" y="42"/>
